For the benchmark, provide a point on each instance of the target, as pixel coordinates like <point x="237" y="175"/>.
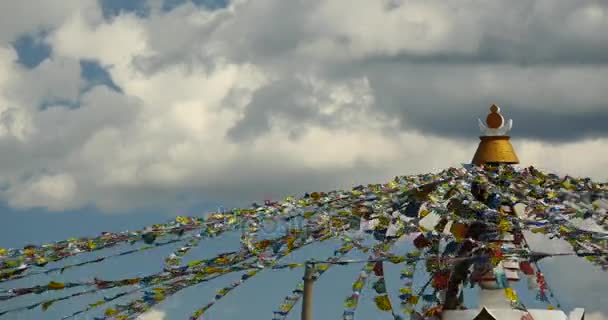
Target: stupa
<point x="495" y="147"/>
<point x="495" y="305"/>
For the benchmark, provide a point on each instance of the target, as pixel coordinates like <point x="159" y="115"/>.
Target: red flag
<point x="378" y="269"/>
<point x="421" y="242"/>
<point x="526" y="268"/>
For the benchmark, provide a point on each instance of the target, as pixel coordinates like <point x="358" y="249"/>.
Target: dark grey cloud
<point x="440" y="92"/>
<point x="293" y="101"/>
<point x="29" y="17"/>
<point x="431" y="112"/>
<point x="450" y="108"/>
<point x="444" y="102"/>
<point x="539" y="125"/>
<point x="274" y="180"/>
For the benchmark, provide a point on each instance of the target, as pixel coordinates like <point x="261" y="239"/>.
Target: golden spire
<point x="495" y="147"/>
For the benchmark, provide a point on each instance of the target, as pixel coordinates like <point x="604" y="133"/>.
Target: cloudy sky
<point x="117" y="113"/>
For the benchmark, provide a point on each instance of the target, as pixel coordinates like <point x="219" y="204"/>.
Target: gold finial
<point x="494" y="147"/>
<point x="495" y="119"/>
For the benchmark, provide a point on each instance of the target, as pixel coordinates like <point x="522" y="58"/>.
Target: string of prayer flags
<point x="150" y="298"/>
<point x="223" y="292"/>
<point x="542" y="287"/>
<point x="479" y="211"/>
<point x="351" y="302"/>
<point x="31" y="255"/>
<point x="175" y="258"/>
<point x="382" y="299"/>
<point x="290" y="301"/>
<point x="193" y="273"/>
<point x="408" y="298"/>
<point x="501" y="277"/>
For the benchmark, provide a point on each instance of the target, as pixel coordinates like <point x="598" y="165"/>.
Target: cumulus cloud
<point x="13" y="119"/>
<point x="30" y="16"/>
<point x="52" y="191"/>
<point x="264" y="98"/>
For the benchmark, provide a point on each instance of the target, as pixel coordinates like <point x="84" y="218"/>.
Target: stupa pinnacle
<point x="495" y="147"/>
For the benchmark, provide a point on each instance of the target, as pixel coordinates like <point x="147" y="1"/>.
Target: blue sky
<point x="119" y="114"/>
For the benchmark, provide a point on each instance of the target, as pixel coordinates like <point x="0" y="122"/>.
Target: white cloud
<point x="274" y="97"/>
<point x="27" y="16"/>
<point x="23" y="91"/>
<point x="13" y="121"/>
<point x="52" y="191"/>
<point x="55" y="79"/>
<point x="582" y="159"/>
<point x="85" y="35"/>
<point x="415" y="27"/>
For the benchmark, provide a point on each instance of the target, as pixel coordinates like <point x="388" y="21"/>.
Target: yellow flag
<point x="309" y="214"/>
<point x="210" y="270"/>
<point x="357" y="286"/>
<point x="56" y="285"/>
<point x="97" y="304"/>
<point x="407" y="310"/>
<point x="222" y="260"/>
<point x="383" y="303"/>
<point x="504" y="226"/>
<point x="511" y="295"/>
<point x="41" y="261"/>
<point x="322" y="267"/>
<point x="290" y="243"/>
<point x="396" y="259"/>
<point x="539" y="230"/>
<point x="350" y="303"/>
<point x="405" y="291"/>
<point x="110" y="312"/>
<point x="194" y="263"/>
